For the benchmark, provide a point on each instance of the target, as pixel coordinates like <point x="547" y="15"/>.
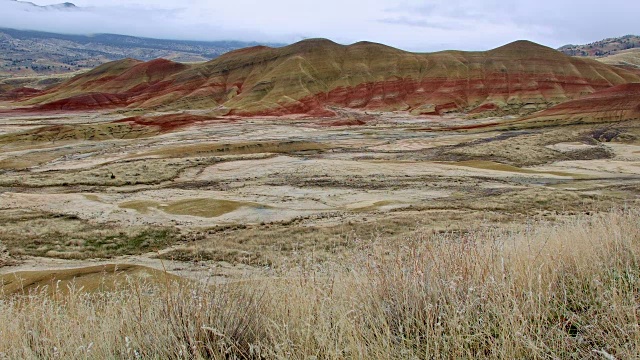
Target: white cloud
<point x="410" y="24"/>
<point x="551" y="22"/>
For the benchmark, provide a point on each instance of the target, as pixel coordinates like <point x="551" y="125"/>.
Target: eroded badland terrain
<point x="268" y="159"/>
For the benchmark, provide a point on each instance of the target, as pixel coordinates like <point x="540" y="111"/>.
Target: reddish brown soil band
<point x="20" y="93"/>
<point x="171" y="122"/>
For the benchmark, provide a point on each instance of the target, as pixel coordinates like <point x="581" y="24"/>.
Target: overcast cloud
<point x="410" y="24"/>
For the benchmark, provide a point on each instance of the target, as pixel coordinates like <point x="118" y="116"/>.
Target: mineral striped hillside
<point x="313" y="76"/>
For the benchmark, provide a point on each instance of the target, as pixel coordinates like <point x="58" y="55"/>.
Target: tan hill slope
<point x="629" y="57"/>
<point x="311" y="76"/>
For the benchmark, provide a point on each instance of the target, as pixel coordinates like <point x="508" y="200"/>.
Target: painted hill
<point x="312" y="76"/>
<point x="617" y="103"/>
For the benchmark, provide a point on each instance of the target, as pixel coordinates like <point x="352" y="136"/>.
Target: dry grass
<point x="73" y="133"/>
<point x="567" y="290"/>
<point x="243" y="148"/>
<point x="207" y="208"/>
<point x="525" y="146"/>
<point x="35" y="233"/>
<point x="122" y="173"/>
<point x="97" y="278"/>
<point x="491" y="165"/>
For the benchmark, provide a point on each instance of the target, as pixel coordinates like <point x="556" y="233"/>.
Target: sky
<point x="415" y="25"/>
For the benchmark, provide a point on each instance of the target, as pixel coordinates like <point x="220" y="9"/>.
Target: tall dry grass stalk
<point x="568" y="290"/>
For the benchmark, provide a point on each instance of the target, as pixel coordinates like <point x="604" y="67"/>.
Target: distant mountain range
<point x="621" y="51"/>
<point x="27" y="53"/>
<point x="606" y="47"/>
<point x="31" y="6"/>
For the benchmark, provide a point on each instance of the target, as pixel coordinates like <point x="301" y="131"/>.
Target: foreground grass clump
<point x="569" y="290"/>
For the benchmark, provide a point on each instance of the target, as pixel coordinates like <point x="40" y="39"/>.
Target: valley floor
<point x="492" y="238"/>
<point x="250" y="195"/>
